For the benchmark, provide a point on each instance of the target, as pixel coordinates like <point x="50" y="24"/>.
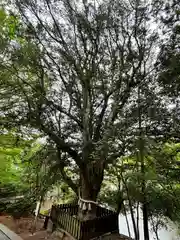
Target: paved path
<point x="3" y="236"/>
<point x="7" y="234"/>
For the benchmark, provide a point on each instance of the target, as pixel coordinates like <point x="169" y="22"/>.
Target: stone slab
<point x="6" y="234"/>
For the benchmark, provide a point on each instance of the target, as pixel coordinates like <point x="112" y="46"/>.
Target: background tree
<point x="11" y="151"/>
<point x="123" y="180"/>
<point x="13" y="184"/>
<point x="73" y="76"/>
<point x="168" y="65"/>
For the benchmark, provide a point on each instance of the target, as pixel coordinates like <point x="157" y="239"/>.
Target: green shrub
<point x="21" y="208"/>
<point x="3" y="207"/>
<point x="7" y="190"/>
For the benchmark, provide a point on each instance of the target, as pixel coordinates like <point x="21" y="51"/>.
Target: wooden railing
<point x="65" y="217"/>
<point x="99" y="226"/>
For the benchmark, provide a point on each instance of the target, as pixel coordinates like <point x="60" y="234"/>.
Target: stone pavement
<point x="3" y="236"/>
<point x="7" y="234"/>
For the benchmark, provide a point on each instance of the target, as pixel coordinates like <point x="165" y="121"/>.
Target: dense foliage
<point x="99" y="85"/>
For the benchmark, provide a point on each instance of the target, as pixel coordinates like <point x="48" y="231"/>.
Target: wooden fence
<point x="65" y="217"/>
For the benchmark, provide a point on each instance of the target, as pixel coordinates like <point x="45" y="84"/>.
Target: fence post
<point x="46" y="222"/>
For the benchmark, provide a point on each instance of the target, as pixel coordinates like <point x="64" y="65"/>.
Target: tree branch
<point x="59" y="108"/>
<point x="66" y="178"/>
<point x="62" y="145"/>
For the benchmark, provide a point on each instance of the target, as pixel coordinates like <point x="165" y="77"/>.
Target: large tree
<point x="73" y="74"/>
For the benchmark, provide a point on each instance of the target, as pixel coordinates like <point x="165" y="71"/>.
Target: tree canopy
<point x="93" y="80"/>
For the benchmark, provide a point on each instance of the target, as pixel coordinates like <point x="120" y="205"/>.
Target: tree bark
<point x="130" y="208"/>
<point x="88" y="194"/>
<point x="137" y="220"/>
<point x="145" y="221"/>
<point x="144" y="200"/>
<point x="143" y="181"/>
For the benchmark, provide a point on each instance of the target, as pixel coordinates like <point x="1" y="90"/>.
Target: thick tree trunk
<point x="88" y="195"/>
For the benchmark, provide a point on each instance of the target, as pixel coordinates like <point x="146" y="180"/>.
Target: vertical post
<point x="38" y="206"/>
<point x="82" y="231"/>
<point x="53" y="217"/>
<point x="46" y="222"/>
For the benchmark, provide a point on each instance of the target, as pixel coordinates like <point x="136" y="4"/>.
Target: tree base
<point x="86" y="215"/>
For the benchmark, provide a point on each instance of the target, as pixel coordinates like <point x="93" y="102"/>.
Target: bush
<point x="7" y="190"/>
<point x="3" y="207"/>
<point x="21" y="208"/>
